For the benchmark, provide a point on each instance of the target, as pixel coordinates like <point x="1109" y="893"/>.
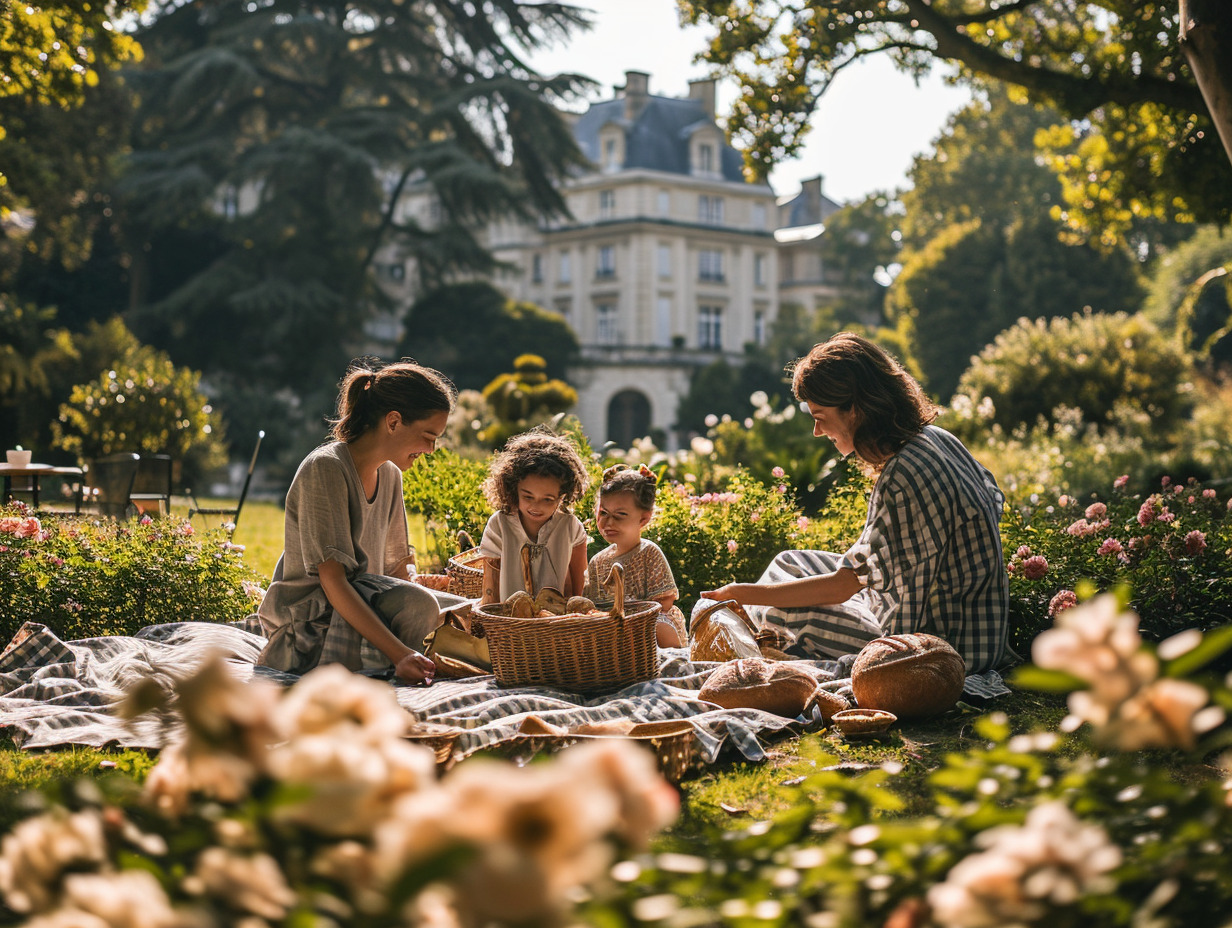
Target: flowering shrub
<point x="1037" y="828"/>
<point x="1171" y="546"/>
<point x="310" y="808"/>
<point x="714" y="538"/>
<point x="84" y="578"/>
<point x="447" y="490"/>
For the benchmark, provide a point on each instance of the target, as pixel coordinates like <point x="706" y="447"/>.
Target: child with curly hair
<point x="623" y="508"/>
<point x="533" y="484"/>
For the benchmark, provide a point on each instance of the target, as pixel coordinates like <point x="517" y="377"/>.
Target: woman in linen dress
<point x="929" y="558"/>
<point x="341" y="592"/>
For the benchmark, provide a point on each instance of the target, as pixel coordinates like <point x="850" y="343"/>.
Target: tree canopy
<point x="273" y="149"/>
<point x="1139" y="141"/>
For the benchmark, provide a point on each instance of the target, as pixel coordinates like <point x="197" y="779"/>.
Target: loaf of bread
<point x="782" y="688"/>
<point x="721" y="631"/>
<point x="912" y="675"/>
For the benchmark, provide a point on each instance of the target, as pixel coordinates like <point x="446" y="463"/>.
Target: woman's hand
<point x="405" y="568"/>
<point x="415" y="668"/>
<point x="740" y="592"/>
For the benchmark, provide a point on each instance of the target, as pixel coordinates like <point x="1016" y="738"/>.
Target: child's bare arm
<point x="491" y="581"/>
<point x="666" y="601"/>
<point x="575" y="585"/>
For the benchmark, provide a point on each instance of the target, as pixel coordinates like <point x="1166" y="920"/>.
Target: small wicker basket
<point x="439" y="738"/>
<point x="674" y="743"/>
<point x="578" y="653"/>
<point x="465" y="569"/>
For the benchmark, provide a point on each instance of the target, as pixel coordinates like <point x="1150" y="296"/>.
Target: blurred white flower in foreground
<point x="1126" y="702"/>
<point x="1052" y="859"/>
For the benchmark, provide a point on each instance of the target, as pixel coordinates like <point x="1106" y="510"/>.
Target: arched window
<point x="628" y="417"/>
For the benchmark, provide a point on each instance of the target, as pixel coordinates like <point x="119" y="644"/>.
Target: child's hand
<point x="415" y="668"/>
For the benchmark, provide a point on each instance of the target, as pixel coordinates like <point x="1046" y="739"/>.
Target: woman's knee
<point x="410" y="611"/>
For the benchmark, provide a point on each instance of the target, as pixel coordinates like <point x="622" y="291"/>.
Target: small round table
<point x="35" y="473"/>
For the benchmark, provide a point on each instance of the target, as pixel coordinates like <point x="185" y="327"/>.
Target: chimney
<point x="703" y="89"/>
<point x="637" y="92"/>
<point x="811" y="189"/>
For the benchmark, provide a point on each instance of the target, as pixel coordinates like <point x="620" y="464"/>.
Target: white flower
<point x="250" y="883"/>
<point x="332" y="698"/>
<point x="1052" y="859"/>
<point x="351" y="784"/>
<point x="1160" y="715"/>
<point x="38" y="850"/>
<point x="128" y="899"/>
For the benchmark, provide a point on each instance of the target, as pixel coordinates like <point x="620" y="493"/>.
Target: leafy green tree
<point x="142" y="402"/>
<point x="983" y="251"/>
<point x="473" y="333"/>
<point x="858" y="250"/>
<point x="1189" y="294"/>
<point x="1109" y="366"/>
<point x="525" y="398"/>
<point x="1140" y="141"/>
<point x="289" y="133"/>
<point x="721" y="389"/>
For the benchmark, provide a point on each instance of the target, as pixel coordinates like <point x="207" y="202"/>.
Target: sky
<point x="869" y="125"/>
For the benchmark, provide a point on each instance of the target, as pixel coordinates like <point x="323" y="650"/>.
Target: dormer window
<point x="705" y="159"/>
<point x="611" y="149"/>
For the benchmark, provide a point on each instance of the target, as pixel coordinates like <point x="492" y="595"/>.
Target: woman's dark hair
<point x="538" y="453"/>
<point x="369" y="391"/>
<point x="641" y="482"/>
<point x="850" y="372"/>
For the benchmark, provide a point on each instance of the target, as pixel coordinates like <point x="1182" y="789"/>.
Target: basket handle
<point x="707" y="611"/>
<point x="528" y="579"/>
<point x="464" y="540"/>
<point x="616" y="583"/>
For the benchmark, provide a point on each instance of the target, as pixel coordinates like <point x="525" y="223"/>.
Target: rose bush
<point x="83" y="578"/>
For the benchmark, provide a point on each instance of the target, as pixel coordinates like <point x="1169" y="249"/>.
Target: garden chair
<point x="153" y="482"/>
<point x="234" y="514"/>
<point x="110" y="481"/>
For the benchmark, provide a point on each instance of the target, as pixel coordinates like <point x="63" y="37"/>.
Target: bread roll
<point x="782" y="688"/>
<point x="913" y="675"/>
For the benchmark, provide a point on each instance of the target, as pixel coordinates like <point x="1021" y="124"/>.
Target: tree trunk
<point x="1206" y="39"/>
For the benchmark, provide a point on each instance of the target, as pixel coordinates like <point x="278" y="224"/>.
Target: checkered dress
<point x="930" y="560"/>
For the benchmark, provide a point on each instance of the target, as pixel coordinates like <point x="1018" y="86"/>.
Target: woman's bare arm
<point x="823" y="590"/>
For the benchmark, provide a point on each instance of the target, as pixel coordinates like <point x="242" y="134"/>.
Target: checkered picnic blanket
<point x="55" y="693"/>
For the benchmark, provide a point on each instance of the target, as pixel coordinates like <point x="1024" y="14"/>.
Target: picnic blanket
<point x="55" y="693"/>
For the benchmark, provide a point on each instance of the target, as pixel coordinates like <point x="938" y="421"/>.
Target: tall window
<point x="566" y="272"/>
<point x="606" y="332"/>
<point x="787" y="268"/>
<point x="663" y="260"/>
<point x="665" y="203"/>
<point x="759" y="270"/>
<point x="606" y="264"/>
<point x="759" y="216"/>
<point x="759" y="327"/>
<point x="710" y="327"/>
<point x="663" y="321"/>
<point x="536" y="268"/>
<point x="609" y="155"/>
<point x="710" y="210"/>
<point x="710" y="264"/>
<point x="607" y="204"/>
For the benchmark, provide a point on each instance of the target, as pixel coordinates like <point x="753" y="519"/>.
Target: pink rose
<point x="1023" y="552"/>
<point x="10" y="524"/>
<point x="1034" y="568"/>
<point x="1167" y="516"/>
<point x="1209" y="494"/>
<point x="781" y="488"/>
<point x="1110" y="546"/>
<point x="1096" y="511"/>
<point x="802" y="524"/>
<point x="731" y="545"/>
<point x="1121" y="481"/>
<point x="1080" y="529"/>
<point x="1063" y="501"/>
<point x="1165" y="481"/>
<point x="1195" y="542"/>
<point x="30" y="527"/>
<point x="1066" y="599"/>
<point x="1148" y="511"/>
<point x="778" y="473"/>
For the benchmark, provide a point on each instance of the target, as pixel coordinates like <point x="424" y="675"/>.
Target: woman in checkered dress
<point x="929" y="558"/>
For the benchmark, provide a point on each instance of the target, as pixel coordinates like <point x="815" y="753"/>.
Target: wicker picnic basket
<point x="465" y="569"/>
<point x="579" y="653"/>
<point x="674" y="743"/>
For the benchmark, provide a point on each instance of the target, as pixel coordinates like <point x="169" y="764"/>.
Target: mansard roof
<point x="658" y="137"/>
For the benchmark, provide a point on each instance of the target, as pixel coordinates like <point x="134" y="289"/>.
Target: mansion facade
<point x="671" y="260"/>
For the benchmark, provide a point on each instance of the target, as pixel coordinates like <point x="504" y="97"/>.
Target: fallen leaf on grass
<point x="733" y="810"/>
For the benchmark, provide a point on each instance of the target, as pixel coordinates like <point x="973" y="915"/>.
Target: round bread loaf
<point x="913" y="675"/>
<point x="781" y="688"/>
